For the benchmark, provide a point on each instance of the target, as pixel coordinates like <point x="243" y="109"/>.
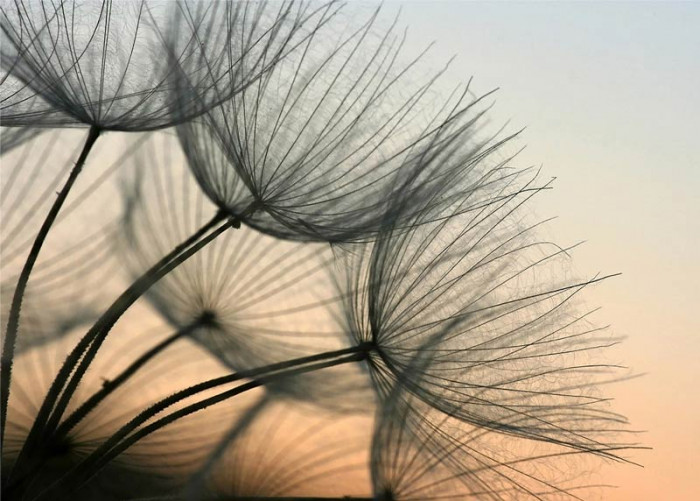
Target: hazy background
<point x="610" y="95"/>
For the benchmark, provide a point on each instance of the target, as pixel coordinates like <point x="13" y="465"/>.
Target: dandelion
<point x="249" y="299"/>
<point x="492" y="306"/>
<point x="446" y="316"/>
<point x="476" y="291"/>
<point x="419" y="453"/>
<point x="320" y="147"/>
<point x="472" y="287"/>
<point x="115" y="66"/>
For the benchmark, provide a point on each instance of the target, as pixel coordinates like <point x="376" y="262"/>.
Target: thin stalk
<point x="8" y="349"/>
<point x="98" y="333"/>
<point x="111" y="385"/>
<point x="118" y="443"/>
<point x="357" y="351"/>
<point x="95" y="336"/>
<point x="112" y="315"/>
<point x="86" y="407"/>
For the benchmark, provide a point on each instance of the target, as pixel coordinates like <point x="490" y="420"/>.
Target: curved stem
<point x="45" y="420"/>
<point x="96" y="336"/>
<point x="144" y="416"/>
<point x="118" y="443"/>
<point x="111" y="316"/>
<point x="8" y="348"/>
<point x="111" y="385"/>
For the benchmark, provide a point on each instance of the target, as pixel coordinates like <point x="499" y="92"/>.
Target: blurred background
<point x="609" y="95"/>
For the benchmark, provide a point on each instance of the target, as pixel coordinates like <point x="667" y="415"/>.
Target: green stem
<point x="8" y="348"/>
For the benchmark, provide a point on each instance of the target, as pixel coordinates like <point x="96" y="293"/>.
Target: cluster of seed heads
<point x="311" y="274"/>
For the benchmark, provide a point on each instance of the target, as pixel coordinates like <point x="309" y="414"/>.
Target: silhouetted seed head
<point x="133" y="64"/>
<point x="494" y="308"/>
<point x="326" y="142"/>
<point x="419" y="453"/>
<point x="250" y="299"/>
<point x="207" y="319"/>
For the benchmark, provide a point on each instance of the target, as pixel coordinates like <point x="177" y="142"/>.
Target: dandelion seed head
<point x="250" y="299"/>
<point x="330" y="137"/>
<point x="131" y="65"/>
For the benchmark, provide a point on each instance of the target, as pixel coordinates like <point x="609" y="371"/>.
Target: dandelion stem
<point x="84" y="352"/>
<point x="111" y="385"/>
<point x="121" y="440"/>
<point x="357" y="353"/>
<point x="8" y="348"/>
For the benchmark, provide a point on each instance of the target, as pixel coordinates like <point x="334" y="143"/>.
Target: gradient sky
<point x="610" y="96"/>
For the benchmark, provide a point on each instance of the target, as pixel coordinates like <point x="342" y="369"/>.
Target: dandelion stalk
<point x="13" y="317"/>
<point x="262" y="375"/>
<point x="86" y="349"/>
<point x="122" y="440"/>
<point x="111" y="385"/>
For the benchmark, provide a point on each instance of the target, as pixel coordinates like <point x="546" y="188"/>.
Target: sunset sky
<point x="609" y="95"/>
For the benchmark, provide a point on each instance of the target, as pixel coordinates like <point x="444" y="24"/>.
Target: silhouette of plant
<point x="82" y="64"/>
<point x="323" y="280"/>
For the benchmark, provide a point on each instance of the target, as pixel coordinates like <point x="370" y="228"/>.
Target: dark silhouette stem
<point x="8" y="348"/>
<point x="121" y="440"/>
<point x="110" y="386"/>
<point x="110" y="317"/>
<point x="78" y="360"/>
<point x="358" y="352"/>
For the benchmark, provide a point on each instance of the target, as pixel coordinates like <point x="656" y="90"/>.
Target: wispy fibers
<point x="331" y="136"/>
<point x="82" y="64"/>
<point x="248" y="298"/>
<point x="383" y="260"/>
